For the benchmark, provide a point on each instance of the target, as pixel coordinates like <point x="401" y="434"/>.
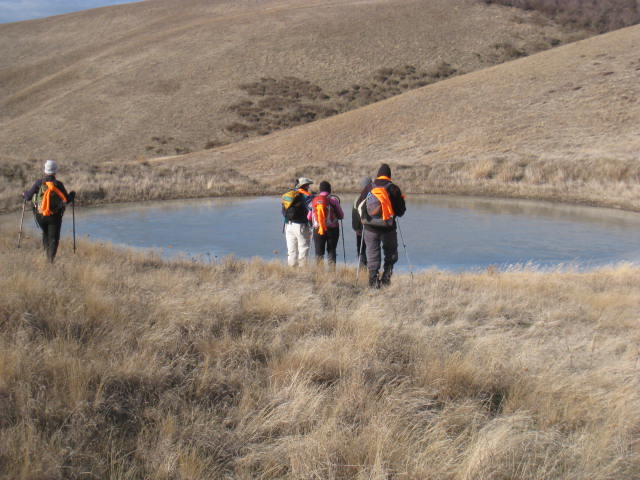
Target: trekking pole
<point x="359" y="256"/>
<point x="73" y="216"/>
<point x="404" y="245"/>
<point x="344" y="251"/>
<point x="24" y="203"/>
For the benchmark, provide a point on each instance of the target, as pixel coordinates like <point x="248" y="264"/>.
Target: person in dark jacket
<point x="297" y="227"/>
<point x="385" y="236"/>
<point x="356" y="224"/>
<point x="49" y="203"/>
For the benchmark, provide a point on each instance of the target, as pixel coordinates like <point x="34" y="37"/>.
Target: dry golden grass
<point x="116" y="364"/>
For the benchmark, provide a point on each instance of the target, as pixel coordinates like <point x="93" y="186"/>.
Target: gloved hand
<point x="72" y="196"/>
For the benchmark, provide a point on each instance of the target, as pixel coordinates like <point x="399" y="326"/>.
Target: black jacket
<point x="395" y="195"/>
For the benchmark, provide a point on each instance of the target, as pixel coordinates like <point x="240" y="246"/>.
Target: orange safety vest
<point x="320" y="209"/>
<point x="383" y="196"/>
<point x="45" y="209"/>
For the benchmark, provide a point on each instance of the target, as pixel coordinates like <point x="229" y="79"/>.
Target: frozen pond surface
<point x="452" y="233"/>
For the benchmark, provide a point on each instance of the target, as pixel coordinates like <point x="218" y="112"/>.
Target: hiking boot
<point x="374" y="282"/>
<point x="386" y="277"/>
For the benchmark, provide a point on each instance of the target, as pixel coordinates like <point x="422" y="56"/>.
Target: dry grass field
<point x="118" y="365"/>
<point x="121" y="365"/>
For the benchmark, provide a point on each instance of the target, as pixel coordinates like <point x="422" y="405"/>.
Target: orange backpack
<point x="49" y="200"/>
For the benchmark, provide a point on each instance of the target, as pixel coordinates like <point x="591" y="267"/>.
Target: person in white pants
<point x="297" y="229"/>
<point x="298" y="242"/>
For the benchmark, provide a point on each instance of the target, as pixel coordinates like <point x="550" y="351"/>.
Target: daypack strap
<point x="46" y="198"/>
<point x="320" y="210"/>
<point x="382" y="195"/>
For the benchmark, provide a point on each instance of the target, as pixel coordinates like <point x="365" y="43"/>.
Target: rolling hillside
<point x="561" y="124"/>
<point x="162" y="77"/>
<point x="122" y="95"/>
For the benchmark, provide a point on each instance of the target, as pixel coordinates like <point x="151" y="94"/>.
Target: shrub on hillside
<point x="164" y="145"/>
<point x="600" y="15"/>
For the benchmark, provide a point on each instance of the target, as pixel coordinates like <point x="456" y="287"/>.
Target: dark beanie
<point x="384" y="170"/>
<point x="325" y="186"/>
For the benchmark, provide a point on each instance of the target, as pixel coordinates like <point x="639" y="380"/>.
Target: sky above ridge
<point x="18" y="10"/>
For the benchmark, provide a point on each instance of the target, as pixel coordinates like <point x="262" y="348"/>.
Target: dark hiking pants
<point x="328" y="241"/>
<point x="50" y="227"/>
<point x="373" y="239"/>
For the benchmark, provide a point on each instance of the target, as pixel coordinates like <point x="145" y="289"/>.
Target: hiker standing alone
<point x="49" y="200"/>
<point x="326" y="214"/>
<point x="296" y="205"/>
<point x="380" y="224"/>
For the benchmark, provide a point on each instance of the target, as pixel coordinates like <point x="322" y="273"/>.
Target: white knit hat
<point x="50" y="167"/>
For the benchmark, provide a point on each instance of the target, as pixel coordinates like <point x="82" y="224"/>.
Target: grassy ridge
<point x="119" y="365"/>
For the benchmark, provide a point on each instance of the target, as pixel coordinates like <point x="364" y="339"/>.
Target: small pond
<point x="451" y="233"/>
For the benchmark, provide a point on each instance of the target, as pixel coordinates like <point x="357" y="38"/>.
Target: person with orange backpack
<point x="379" y="204"/>
<point x="296" y="205"/>
<point x="326" y="214"/>
<point x="49" y="198"/>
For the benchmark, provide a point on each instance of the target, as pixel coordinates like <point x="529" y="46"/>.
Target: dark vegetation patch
<point x="279" y="104"/>
<point x="509" y="51"/>
<point x="598" y="15"/>
<point x="8" y="409"/>
<point x="215" y="144"/>
<point x="275" y="104"/>
<point x="165" y="145"/>
<point x="124" y="399"/>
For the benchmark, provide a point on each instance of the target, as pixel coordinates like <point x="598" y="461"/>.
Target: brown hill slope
<point x="561" y="124"/>
<point x="158" y="77"/>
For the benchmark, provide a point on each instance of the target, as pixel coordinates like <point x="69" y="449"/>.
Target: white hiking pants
<point x="298" y="237"/>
